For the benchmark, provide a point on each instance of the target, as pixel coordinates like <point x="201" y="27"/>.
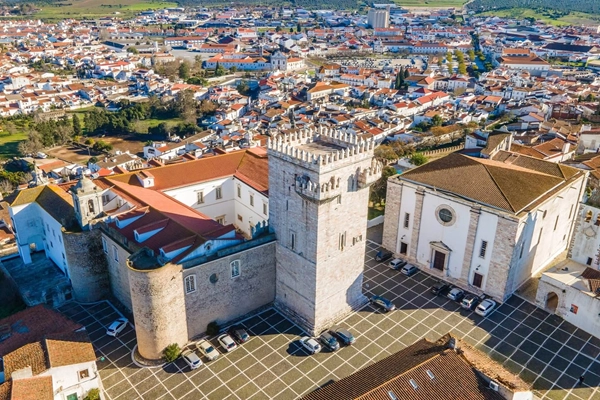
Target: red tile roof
<point x="35" y="388"/>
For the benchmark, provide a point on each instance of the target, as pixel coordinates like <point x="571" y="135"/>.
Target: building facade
<point x="377" y="18"/>
<point x="486" y="225"/>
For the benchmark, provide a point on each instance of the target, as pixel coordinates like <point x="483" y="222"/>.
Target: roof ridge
<point x="498" y="186"/>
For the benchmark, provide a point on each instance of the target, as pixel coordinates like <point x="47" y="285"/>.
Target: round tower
<point x="158" y="305"/>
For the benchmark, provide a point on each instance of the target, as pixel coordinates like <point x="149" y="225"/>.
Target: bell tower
<point x="318" y="193"/>
<point x="87" y="201"/>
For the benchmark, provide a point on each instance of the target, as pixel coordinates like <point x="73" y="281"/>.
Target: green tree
<point x="418" y="159"/>
<point x="436" y="120"/>
<point x="298" y="27"/>
<point x="471" y="54"/>
<point x="77" y="130"/>
<point x="185" y="106"/>
<point x="462" y="69"/>
<point x="132" y="50"/>
<point x="219" y="70"/>
<point x="184" y="70"/>
<point x="379" y="188"/>
<point x="92" y="394"/>
<point x="243" y="88"/>
<point x="171" y="352"/>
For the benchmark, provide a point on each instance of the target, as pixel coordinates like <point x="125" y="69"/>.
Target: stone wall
<point x="229" y="298"/>
<point x="502" y="265"/>
<point x="87" y="265"/>
<point x="118" y="272"/>
<point x="158" y="304"/>
<point x="392" y="213"/>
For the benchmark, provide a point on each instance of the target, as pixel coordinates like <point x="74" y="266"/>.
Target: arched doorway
<point x="551" y="301"/>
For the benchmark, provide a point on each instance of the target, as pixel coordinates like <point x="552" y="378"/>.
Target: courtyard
<point x="544" y="350"/>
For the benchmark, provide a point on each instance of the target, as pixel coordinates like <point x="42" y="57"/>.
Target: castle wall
<point x="118" y="272"/>
<point x="229" y="297"/>
<point x="87" y="265"/>
<point x="158" y="304"/>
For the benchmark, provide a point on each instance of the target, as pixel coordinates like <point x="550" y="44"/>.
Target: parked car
<point x="397" y="263"/>
<point x="456" y="294"/>
<point x="239" y="334"/>
<point x="383" y="255"/>
<point x="116" y="327"/>
<point x="485" y="307"/>
<point x="469" y="302"/>
<point x="343" y="335"/>
<point x="383" y="303"/>
<point x="227" y="342"/>
<point x="204" y="347"/>
<point x="310" y="344"/>
<point x="329" y="341"/>
<point x="409" y="270"/>
<point x="191" y="358"/>
<point x="440" y="288"/>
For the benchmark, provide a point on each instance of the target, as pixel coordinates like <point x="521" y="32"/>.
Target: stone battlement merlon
<point x="315" y="149"/>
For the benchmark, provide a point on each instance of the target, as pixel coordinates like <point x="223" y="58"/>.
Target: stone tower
<point x="87" y="201"/>
<point x="318" y="194"/>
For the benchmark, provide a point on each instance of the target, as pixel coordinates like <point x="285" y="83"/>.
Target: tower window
<point x="200" y="195"/>
<point x="91" y="206"/>
<point x="235" y="268"/>
<point x="115" y="253"/>
<point x="342" y="241"/>
<point x="190" y="284"/>
<point x="104" y="245"/>
<point x="292" y="241"/>
<point x="406" y="220"/>
<point x="219" y="193"/>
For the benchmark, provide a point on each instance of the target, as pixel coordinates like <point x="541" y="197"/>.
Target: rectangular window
<point x="522" y="248"/>
<point x="342" y="240"/>
<point x="406" y="219"/>
<point x="252" y="200"/>
<point x="556" y="222"/>
<point x="235" y="269"/>
<point x="72" y="396"/>
<point x="190" y="284"/>
<point x="200" y="195"/>
<point x="589" y="261"/>
<point x="105" y="199"/>
<point x="219" y="193"/>
<point x="293" y="241"/>
<point x="477" y="280"/>
<point x="240" y="218"/>
<point x="104" y="246"/>
<point x="483" y="249"/>
<point x="84" y="374"/>
<point x="115" y="253"/>
<point x="265" y="211"/>
<point x="239" y="191"/>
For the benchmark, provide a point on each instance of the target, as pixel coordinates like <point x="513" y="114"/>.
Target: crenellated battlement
<point x="320" y="148"/>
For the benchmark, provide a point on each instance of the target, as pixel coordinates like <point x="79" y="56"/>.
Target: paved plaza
<point x="544" y="350"/>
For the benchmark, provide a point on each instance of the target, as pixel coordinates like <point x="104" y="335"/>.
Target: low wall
<point x="375" y="221"/>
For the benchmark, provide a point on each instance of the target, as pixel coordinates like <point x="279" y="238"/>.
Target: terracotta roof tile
<point x="31" y="355"/>
<point x="35" y="388"/>
<point x="69" y="348"/>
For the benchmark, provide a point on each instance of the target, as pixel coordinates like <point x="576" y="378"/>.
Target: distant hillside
<point x="559" y="6"/>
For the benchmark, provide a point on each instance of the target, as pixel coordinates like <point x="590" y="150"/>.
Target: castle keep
<point x="213" y="239"/>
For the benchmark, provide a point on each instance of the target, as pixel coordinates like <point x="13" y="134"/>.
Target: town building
<point x="485" y="224"/>
<point x="378" y="18"/>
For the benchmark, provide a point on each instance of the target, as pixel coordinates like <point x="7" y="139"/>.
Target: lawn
<point x="9" y="143"/>
<point x="98" y="8"/>
<point x="574" y="18"/>
<point x="142" y="126"/>
<point x="431" y="3"/>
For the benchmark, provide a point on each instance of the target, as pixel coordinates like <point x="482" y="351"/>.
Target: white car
<point x="116" y="327"/>
<point x="227" y="343"/>
<point x="204" y="347"/>
<point x="485" y="307"/>
<point x="191" y="358"/>
<point x="456" y="294"/>
<point x="310" y="344"/>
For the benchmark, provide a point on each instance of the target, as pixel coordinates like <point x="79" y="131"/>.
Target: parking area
<point x="544" y="350"/>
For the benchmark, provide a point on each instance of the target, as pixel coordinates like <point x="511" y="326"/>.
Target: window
<point x="589" y="261"/>
<point x="84" y="374"/>
<point x="239" y="191"/>
<point x="522" y="248"/>
<point x="91" y="206"/>
<point x="240" y="218"/>
<point x="221" y="219"/>
<point x="115" y="253"/>
<point x="72" y="396"/>
<point x="252" y="200"/>
<point x="104" y="245"/>
<point x="483" y="249"/>
<point x="235" y="268"/>
<point x="219" y="193"/>
<point x="190" y="284"/>
<point x="342" y="241"/>
<point x="445" y="215"/>
<point x="292" y="241"/>
<point x="105" y="198"/>
<point x="477" y="280"/>
<point x="265" y="211"/>
<point x="406" y="219"/>
<point x="200" y="195"/>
